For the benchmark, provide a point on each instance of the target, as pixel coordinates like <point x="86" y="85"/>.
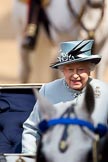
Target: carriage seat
<point x="16" y="104"/>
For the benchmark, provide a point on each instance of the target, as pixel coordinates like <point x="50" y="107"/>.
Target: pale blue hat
<point x="76" y="51"/>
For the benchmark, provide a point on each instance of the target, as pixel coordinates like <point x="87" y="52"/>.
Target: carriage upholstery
<point x="16" y="103"/>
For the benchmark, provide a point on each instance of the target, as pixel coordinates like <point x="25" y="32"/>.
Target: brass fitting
<point x="31" y="29"/>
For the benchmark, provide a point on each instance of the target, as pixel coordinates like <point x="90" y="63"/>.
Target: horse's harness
<point x="96" y="5"/>
<point x="66" y="120"/>
<point x="41" y="17"/>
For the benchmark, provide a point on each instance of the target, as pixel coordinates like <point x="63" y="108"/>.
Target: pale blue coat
<point x="56" y="92"/>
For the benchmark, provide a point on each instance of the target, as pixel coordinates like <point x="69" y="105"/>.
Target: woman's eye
<point x="70" y="69"/>
<point x="81" y="70"/>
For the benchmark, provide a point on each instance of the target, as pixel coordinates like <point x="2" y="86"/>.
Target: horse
<point x="57" y="21"/>
<point x="69" y="132"/>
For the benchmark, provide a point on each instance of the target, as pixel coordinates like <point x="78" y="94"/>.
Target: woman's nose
<point x="75" y="75"/>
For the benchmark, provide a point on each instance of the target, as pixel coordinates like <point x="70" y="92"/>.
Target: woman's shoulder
<point x="52" y="85"/>
<point x="96" y="83"/>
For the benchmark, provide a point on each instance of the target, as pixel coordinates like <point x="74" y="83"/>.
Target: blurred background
<point x="8" y="50"/>
<point x="10" y="60"/>
<point x="9" y="54"/>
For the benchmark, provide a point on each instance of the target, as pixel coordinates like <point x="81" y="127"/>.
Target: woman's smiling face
<point x="76" y="74"/>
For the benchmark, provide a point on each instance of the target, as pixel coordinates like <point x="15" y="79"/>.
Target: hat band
<point x="65" y="57"/>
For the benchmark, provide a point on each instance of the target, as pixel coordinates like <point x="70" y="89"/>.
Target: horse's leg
<point x="19" y="21"/>
<point x="101" y="69"/>
<point x="24" y="64"/>
<point x="25" y="69"/>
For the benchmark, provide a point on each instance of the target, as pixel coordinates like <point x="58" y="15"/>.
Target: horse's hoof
<point x="29" y="43"/>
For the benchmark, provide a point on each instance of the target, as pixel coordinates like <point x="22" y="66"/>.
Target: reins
<point x="78" y="17"/>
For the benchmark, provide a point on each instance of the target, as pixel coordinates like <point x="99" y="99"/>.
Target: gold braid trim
<point x="45" y="2"/>
<point x="24" y="1"/>
<point x="31" y="29"/>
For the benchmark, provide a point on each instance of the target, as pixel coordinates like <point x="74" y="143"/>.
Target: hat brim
<point x="93" y="59"/>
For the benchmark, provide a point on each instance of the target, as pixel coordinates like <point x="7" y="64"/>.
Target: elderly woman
<point x="76" y="63"/>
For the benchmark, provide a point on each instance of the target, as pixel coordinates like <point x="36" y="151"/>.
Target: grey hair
<point x="90" y="65"/>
